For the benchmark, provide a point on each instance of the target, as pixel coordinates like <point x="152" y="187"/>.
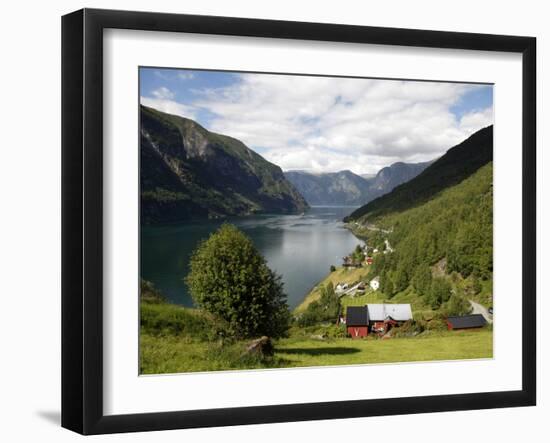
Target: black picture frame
<point x="82" y="218"/>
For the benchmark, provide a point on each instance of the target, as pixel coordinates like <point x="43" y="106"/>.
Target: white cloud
<point x="477" y="119"/>
<point x="163" y="93"/>
<point x="161" y="74"/>
<point x="329" y="124"/>
<point x="185" y="75"/>
<point x="169" y="106"/>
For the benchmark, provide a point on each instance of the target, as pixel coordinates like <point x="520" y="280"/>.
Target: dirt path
<point x="480" y="309"/>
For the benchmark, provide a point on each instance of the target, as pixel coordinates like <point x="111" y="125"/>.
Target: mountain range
<point x="347" y="188"/>
<point x="189" y="172"/>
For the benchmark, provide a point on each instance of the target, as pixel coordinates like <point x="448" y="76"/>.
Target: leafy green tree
<point x="422" y="279"/>
<point x="476" y="284"/>
<point x="332" y="268"/>
<point x="387" y="285"/>
<point x="401" y="279"/>
<point x="230" y="279"/>
<point x="457" y="305"/>
<point x="440" y="292"/>
<point x="326" y="308"/>
<point x="358" y="253"/>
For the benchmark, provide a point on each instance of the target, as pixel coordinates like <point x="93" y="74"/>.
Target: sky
<point x="324" y="124"/>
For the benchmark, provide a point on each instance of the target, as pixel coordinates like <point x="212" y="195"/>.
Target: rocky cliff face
<point x="189" y="172"/>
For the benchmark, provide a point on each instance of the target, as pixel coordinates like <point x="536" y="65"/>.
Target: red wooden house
<point x="383" y="317"/>
<point x="375" y="318"/>
<point x="357" y="321"/>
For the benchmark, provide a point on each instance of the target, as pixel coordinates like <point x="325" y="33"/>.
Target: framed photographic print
<point x="270" y="221"/>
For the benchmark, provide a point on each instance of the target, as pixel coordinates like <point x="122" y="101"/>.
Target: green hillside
<point x="441" y="247"/>
<point x="190" y="172"/>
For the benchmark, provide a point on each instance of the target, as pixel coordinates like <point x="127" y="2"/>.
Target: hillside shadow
<point x="319" y="351"/>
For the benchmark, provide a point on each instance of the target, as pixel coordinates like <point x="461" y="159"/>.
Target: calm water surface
<point x="299" y="247"/>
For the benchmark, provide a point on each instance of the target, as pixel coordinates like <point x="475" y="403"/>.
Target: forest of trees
<point x="454" y="230"/>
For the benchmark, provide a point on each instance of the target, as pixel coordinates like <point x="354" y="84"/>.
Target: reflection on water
<point x="299" y="247"/>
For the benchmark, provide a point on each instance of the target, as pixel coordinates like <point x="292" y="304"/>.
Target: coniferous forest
<point x="434" y="243"/>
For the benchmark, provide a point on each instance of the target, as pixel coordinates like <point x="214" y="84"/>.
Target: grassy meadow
<point x="176" y="339"/>
<point x="345" y="275"/>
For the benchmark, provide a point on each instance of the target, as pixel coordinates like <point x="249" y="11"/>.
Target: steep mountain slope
<point x="391" y="176"/>
<point x="440" y="228"/>
<point x="368" y="176"/>
<point x="450" y="169"/>
<point x="189" y="172"/>
<point x="450" y="233"/>
<point x="336" y="188"/>
<point x="347" y="188"/>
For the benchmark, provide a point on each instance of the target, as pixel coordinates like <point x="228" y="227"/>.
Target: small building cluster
<point x="375" y="318"/>
<point x="350" y="262"/>
<point x="356" y="261"/>
<point x="360" y="287"/>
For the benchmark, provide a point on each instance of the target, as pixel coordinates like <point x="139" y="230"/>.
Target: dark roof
<point x="467" y="321"/>
<point x="357" y="316"/>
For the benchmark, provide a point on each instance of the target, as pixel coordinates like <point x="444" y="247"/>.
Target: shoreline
<point x="341" y="274"/>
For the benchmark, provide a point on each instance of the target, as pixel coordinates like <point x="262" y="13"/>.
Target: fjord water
<point x="301" y="248"/>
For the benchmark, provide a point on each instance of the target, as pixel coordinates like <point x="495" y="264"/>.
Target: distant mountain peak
<point x="347" y="188"/>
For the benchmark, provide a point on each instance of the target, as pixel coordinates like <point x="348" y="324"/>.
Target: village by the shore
<point x="381" y="319"/>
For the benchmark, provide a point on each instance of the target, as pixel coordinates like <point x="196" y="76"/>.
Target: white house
<point x="375" y="283"/>
<point x="341" y="287"/>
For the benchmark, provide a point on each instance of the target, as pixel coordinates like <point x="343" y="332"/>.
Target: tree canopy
<point x="230" y="279"/>
<point x="450" y="234"/>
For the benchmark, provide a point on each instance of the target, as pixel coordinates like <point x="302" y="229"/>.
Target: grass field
<point x="175" y="339"/>
<point x="345" y="351"/>
<point x="171" y="354"/>
<point x="341" y="274"/>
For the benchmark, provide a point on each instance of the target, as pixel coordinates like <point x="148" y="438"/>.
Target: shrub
<point x="230" y="279"/>
<point x="436" y="325"/>
<point x="410" y="327"/>
<point x="456" y="305"/>
<point x="439" y="292"/>
<point x="148" y="293"/>
<point x="163" y="319"/>
<point x="324" y="309"/>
